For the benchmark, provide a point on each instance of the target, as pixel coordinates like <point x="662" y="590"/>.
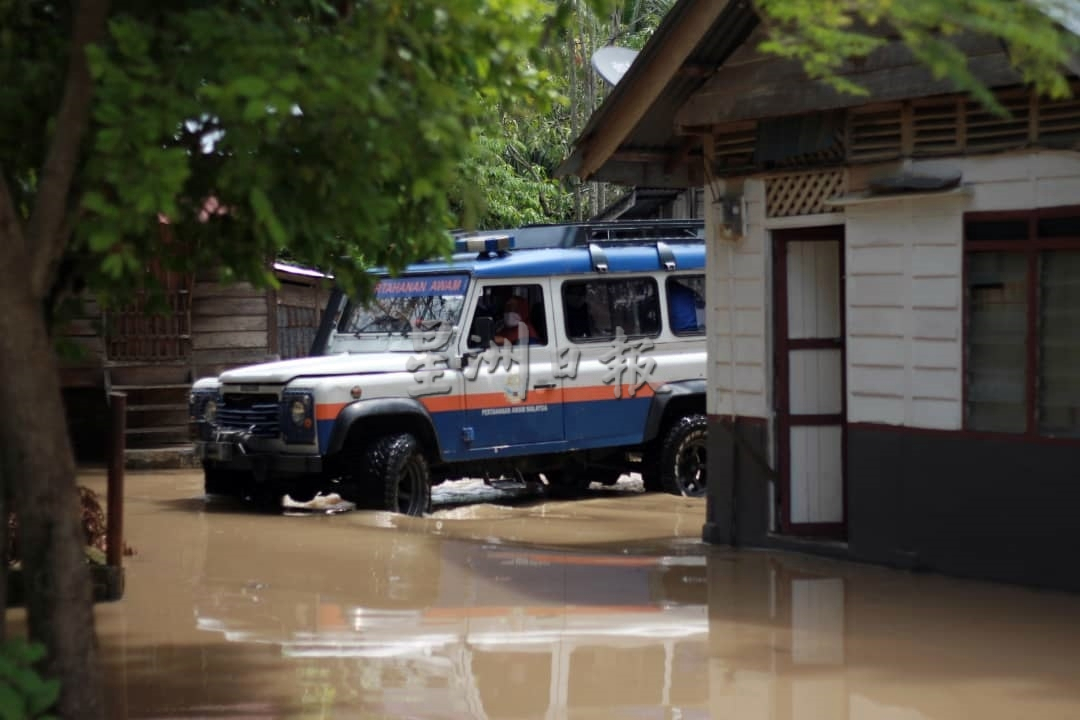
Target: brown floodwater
<point x="513" y="607"/>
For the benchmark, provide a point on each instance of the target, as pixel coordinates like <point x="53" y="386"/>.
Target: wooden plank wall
<point x="299" y="308"/>
<point x="230" y="327"/>
<point x="82" y="335"/>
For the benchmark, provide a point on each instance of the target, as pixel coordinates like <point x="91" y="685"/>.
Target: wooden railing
<point x="137" y="333"/>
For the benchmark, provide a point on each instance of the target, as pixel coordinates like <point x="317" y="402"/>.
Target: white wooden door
<point x="810" y="379"/>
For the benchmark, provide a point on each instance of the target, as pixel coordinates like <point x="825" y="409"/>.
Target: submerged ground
<point x="502" y="605"/>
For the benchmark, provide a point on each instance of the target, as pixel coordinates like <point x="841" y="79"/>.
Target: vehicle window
<point x="595" y="309"/>
<point x="517" y="311"/>
<point x="686" y="304"/>
<point x="401" y="310"/>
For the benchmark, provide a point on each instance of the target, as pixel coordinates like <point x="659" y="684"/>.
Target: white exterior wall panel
<point x="904" y="289"/>
<point x="738" y="274"/>
<point x="925" y="235"/>
<point x="917" y="241"/>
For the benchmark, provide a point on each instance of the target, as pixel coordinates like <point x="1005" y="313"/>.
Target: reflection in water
<point x="556" y="612"/>
<point x="426" y="627"/>
<point x="804" y="639"/>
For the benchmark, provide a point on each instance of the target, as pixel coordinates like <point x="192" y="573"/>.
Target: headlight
<point x="298" y="411"/>
<point x="210" y="411"/>
<point x="297" y="416"/>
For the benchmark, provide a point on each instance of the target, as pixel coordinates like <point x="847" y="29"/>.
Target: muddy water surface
<point x="512" y="607"/>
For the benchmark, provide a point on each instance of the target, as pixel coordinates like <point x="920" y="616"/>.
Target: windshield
<point x="407" y="314"/>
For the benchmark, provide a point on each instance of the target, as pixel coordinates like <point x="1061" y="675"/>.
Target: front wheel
<point x="394" y="475"/>
<point x="682" y="462"/>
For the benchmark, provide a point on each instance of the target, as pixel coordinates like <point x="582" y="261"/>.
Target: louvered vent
<point x="987" y="132"/>
<point x="935" y="126"/>
<point x="1059" y="122"/>
<point x="802" y="193"/>
<point x="875" y="133"/>
<point x="734" y="148"/>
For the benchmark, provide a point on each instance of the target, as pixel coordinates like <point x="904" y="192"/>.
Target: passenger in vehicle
<point x="577" y="311"/>
<point x="683" y="301"/>
<point x="516" y="322"/>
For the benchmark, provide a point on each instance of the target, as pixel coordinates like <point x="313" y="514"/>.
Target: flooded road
<point x="605" y="607"/>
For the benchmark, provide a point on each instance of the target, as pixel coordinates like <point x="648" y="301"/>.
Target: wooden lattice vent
<point x="802" y="193"/>
<point x="986" y="132"/>
<point x="734" y="147"/>
<point x="934" y="126"/>
<point x="956" y="124"/>
<point x="152" y="330"/>
<point x="1059" y="121"/>
<point x="875" y="132"/>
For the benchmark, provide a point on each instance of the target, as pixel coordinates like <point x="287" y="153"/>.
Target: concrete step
<point x="161" y="458"/>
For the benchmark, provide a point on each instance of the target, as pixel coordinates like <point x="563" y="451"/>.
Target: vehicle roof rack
<point x="580" y="234"/>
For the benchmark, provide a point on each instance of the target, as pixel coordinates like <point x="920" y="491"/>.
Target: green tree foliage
<point x="823" y="35"/>
<point x="24" y="693"/>
<point x="188" y="134"/>
<point x="507" y="180"/>
<point x="334" y="136"/>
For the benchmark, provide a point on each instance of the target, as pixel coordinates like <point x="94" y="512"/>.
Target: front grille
<point x="260" y="414"/>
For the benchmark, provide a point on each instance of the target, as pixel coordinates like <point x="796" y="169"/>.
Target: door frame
<point x="782" y="346"/>
<point x="548" y="394"/>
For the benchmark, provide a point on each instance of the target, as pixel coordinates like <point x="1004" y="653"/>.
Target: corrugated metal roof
<point x="652" y="153"/>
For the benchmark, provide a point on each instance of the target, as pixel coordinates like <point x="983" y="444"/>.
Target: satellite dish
<point x="612" y="62"/>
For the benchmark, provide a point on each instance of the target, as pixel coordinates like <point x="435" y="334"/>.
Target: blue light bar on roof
<point x="484" y="243"/>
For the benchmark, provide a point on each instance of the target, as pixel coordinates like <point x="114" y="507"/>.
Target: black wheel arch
<point x="681" y="398"/>
<point x="383" y="416"/>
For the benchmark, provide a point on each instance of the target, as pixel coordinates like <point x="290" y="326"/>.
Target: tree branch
<point x="44" y="237"/>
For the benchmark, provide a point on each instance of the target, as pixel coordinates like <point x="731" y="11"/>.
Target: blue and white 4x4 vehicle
<point x="568" y="365"/>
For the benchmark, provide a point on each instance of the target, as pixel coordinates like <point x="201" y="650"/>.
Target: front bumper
<point x="232" y="454"/>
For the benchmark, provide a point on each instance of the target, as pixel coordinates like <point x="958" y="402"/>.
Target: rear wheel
<point x="392" y="474"/>
<point x="682" y="460"/>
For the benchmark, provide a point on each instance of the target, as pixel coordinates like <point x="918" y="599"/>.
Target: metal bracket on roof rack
<point x="667" y="258"/>
<point x="598" y="258"/>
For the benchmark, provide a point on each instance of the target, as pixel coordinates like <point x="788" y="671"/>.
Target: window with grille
<point x="1022" y="299"/>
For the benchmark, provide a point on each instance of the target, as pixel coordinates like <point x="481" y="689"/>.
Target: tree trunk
<point x="39" y="465"/>
<point x="5" y="549"/>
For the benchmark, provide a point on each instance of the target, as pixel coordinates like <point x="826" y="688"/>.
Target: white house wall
<point x="904" y="288"/>
<point x="904" y="274"/>
<point x="737" y="289"/>
<point x="905" y="282"/>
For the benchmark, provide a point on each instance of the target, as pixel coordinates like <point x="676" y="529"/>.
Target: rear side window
<point x="686" y="304"/>
<point x="595" y="309"/>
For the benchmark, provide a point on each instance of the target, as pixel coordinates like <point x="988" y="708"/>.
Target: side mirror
<point x="483" y="330"/>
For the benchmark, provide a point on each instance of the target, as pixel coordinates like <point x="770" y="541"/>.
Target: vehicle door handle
<point x="545" y="385"/>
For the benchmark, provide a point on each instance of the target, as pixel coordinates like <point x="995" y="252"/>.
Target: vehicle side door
<point x="607" y="357"/>
<point x="513" y="398"/>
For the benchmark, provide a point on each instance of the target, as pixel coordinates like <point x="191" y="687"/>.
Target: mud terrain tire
<point x="682" y="460"/>
<point x="394" y="475"/>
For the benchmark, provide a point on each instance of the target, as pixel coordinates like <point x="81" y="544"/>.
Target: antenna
<point x="612" y="62"/>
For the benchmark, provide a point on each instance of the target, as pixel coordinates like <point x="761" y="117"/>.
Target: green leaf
<point x="12" y="705"/>
<point x="102" y="239"/>
<point x="250" y="85"/>
<point x="264" y="213"/>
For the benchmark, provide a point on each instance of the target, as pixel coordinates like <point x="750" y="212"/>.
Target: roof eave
<point x="680" y="32"/>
